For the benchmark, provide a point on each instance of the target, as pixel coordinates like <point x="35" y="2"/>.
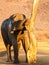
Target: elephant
<point x="10" y="28"/>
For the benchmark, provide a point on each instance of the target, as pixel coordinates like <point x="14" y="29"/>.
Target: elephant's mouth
<point x="12" y="32"/>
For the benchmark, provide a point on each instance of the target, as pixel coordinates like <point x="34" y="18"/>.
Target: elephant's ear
<point x="12" y="17"/>
<point x="10" y="25"/>
<point x="24" y="16"/>
<point x="10" y="28"/>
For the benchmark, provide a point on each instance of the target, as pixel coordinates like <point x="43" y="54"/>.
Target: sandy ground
<point x="9" y="7"/>
<point x="42" y="56"/>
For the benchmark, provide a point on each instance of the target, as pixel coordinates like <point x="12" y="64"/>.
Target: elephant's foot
<point x="26" y="60"/>
<point x="9" y="60"/>
<point x="16" y="62"/>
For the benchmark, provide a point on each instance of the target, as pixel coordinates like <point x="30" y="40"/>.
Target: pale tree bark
<point x="31" y="54"/>
<point x="34" y="12"/>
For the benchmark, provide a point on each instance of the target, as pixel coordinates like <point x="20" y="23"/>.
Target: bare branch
<point x="34" y="11"/>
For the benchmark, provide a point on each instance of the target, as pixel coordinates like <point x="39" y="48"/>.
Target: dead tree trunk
<point x="31" y="54"/>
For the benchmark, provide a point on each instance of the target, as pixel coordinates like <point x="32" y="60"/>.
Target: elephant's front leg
<point x="26" y="43"/>
<point x="9" y="58"/>
<point x="15" y="47"/>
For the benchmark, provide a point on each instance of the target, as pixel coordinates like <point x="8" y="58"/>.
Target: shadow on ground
<point x="42" y="59"/>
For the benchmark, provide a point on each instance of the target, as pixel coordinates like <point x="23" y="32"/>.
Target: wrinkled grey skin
<point x="10" y="39"/>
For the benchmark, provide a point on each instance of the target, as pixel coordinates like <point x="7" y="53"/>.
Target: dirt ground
<point x="42" y="56"/>
<point x="41" y="28"/>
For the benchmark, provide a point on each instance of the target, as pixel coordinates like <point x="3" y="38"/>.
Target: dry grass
<point x="2" y="47"/>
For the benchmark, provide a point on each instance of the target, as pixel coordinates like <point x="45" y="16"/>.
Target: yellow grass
<point x="2" y="46"/>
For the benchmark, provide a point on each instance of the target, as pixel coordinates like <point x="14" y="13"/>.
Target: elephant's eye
<point x="17" y="23"/>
